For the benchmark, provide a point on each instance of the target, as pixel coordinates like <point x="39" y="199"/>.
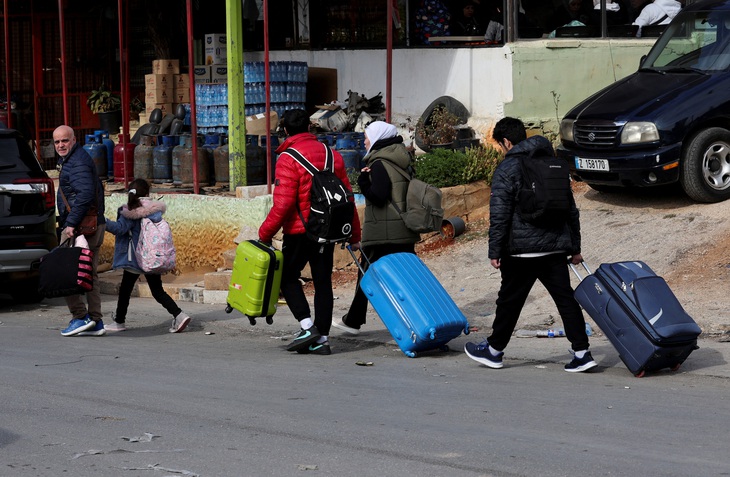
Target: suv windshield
<point x="695" y="41"/>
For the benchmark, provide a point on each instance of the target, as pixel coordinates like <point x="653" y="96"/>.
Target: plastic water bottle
<point x="558" y="332"/>
<point x="247" y="67"/>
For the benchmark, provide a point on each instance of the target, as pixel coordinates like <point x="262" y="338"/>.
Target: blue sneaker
<point x="481" y="354"/>
<point x="578" y="365"/>
<point x="77" y="325"/>
<point x="98" y="330"/>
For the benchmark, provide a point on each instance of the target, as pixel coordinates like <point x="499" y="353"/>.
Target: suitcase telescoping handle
<point x="575" y="270"/>
<point x="357" y="262"/>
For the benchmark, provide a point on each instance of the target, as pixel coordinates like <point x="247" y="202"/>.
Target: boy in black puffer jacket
<point x="525" y="253"/>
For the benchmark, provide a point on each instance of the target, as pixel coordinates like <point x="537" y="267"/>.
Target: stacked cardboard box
<point x="203" y="73"/>
<point x="165" y="88"/>
<point x="215" y="49"/>
<point x="160" y="86"/>
<point x="181" y="88"/>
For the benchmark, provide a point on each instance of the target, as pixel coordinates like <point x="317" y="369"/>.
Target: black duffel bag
<point x="66" y="270"/>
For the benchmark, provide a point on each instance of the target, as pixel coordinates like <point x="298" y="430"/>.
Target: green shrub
<point x="352" y="175"/>
<point x="448" y="168"/>
<point x="480" y="163"/>
<point x="441" y="167"/>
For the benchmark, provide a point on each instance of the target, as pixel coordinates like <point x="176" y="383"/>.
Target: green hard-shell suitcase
<point x="256" y="280"/>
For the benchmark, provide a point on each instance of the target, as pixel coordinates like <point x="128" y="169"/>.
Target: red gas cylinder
<point x="119" y="162"/>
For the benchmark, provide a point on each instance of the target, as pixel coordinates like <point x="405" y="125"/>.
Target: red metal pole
<point x="389" y="61"/>
<point x="36" y="75"/>
<point x="62" y="31"/>
<point x="267" y="112"/>
<point x="193" y="123"/>
<point x="120" y="32"/>
<point x="124" y="78"/>
<point x="7" y="64"/>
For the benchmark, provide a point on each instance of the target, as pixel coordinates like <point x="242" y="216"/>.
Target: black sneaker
<point x="481" y="354"/>
<point x="579" y="365"/>
<point x="317" y="348"/>
<point x="303" y="339"/>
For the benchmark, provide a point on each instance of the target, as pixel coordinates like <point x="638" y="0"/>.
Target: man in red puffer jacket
<point x="292" y="186"/>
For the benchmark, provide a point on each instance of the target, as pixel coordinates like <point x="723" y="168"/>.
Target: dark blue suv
<point x="27" y="217"/>
<point x="668" y="122"/>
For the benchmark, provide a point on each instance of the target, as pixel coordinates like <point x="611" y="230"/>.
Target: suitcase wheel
<point x="269" y="320"/>
<point x="410" y="354"/>
<point x="640" y="374"/>
<point x="252" y="320"/>
<point x="444" y="348"/>
<point x="229" y="308"/>
<point x="675" y="367"/>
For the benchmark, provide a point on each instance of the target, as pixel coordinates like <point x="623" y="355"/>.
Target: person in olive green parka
<point x="383" y="181"/>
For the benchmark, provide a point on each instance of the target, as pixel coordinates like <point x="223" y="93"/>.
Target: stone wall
<point x="206" y="227"/>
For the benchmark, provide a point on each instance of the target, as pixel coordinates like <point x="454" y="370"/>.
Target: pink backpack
<point x="155" y="251"/>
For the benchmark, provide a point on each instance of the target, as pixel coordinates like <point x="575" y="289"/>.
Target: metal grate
<point x="597" y="134"/>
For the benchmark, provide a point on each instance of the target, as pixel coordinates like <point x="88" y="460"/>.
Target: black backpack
<point x="545" y="198"/>
<point x="331" y="211"/>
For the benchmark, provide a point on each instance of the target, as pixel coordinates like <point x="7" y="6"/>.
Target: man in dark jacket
<point x="79" y="188"/>
<point x="525" y="253"/>
<point x="291" y="196"/>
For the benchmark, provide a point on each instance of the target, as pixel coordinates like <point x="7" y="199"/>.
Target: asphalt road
<point x="235" y="403"/>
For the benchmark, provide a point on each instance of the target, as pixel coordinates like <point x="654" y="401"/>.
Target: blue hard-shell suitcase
<point x="639" y="314"/>
<point x="412" y="304"/>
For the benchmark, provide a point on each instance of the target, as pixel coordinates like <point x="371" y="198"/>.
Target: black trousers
<point x="518" y="277"/>
<point x="298" y="250"/>
<point x="355" y="316"/>
<point x="158" y="293"/>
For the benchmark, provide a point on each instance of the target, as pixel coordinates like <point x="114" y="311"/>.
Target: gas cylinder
<point x="274" y="141"/>
<point x="212" y="141"/>
<point x="345" y="140"/>
<point x="120" y="165"/>
<point x="162" y="160"/>
<point x="352" y="159"/>
<point x="97" y="151"/>
<point x="143" y="157"/>
<point x="222" y="169"/>
<point x="182" y="162"/>
<point x="109" y="144"/>
<point x="255" y="161"/>
<point x="359" y="139"/>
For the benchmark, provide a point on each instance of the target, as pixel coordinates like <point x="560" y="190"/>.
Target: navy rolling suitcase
<point x="639" y="314"/>
<point x="413" y="305"/>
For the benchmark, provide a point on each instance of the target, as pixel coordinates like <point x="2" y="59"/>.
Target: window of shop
<point x="431" y="23"/>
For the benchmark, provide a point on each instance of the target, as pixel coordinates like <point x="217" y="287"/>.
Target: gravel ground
<point x="685" y="242"/>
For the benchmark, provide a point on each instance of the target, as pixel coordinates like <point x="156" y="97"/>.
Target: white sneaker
<point x="179" y="322"/>
<point x="340" y="325"/>
<point x="114" y="326"/>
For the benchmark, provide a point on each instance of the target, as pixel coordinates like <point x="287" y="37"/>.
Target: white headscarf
<point x="378" y="130"/>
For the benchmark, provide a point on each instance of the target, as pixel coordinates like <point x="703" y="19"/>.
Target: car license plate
<point x="591" y="164"/>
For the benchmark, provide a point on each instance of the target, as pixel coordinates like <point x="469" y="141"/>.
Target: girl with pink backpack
<point x="127" y="231"/>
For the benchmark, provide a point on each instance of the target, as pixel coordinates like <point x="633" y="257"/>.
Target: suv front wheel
<point x="705" y="167"/>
